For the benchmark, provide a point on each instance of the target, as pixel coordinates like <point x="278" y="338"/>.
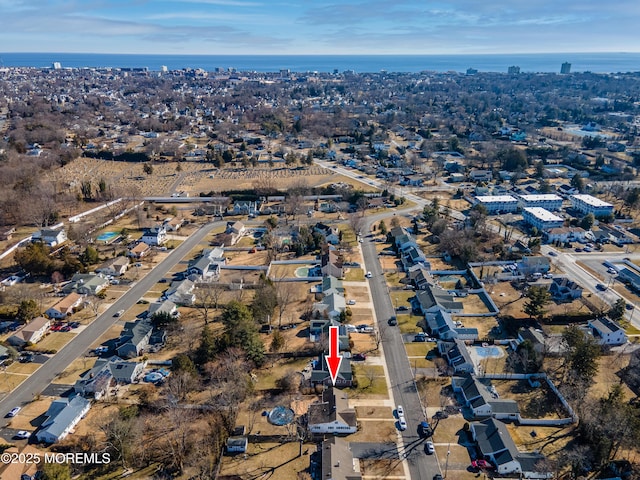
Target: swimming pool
<point x="487" y="352"/>
<point x="107" y="237"/>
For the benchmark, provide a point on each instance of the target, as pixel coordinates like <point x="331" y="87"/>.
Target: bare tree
<point x="208" y="297"/>
<point x="285" y="294"/>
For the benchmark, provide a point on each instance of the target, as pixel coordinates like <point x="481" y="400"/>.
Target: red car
<point x="482" y="464"/>
<point x="56" y="328"/>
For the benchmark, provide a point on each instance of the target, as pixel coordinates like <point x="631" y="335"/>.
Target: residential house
<point x="86" y="284"/>
<point x="376" y="202"/>
<point x="32" y="332"/>
<point x="165" y="306"/>
<point x="320" y="373"/>
<point x="442" y="326"/>
<point x="180" y="292"/>
<point x="61" y="417"/>
<point x="477" y="175"/>
<point x="7" y="233"/>
<point x="412" y="180"/>
<point x="480" y="396"/>
<point x="420" y="277"/>
<point x="565" y="190"/>
<point x="50" y="237"/>
<point x="496" y="445"/>
<point x="245" y="207"/>
<point x="332" y="415"/>
<point x="330" y="285"/>
<point x="565" y="234"/>
<point x="457" y="355"/>
<point x="401" y="237"/>
<point x="204" y="268"/>
<point x="237" y="444"/>
<point x="331" y="306"/>
<point x="215" y="255"/>
<point x="535" y="337"/>
<point x="134" y="338"/>
<point x="140" y="250"/>
<point x="630" y="275"/>
<point x="338" y="462"/>
<point x="114" y="266"/>
<point x="618" y="235"/>
<point x="21" y="470"/>
<point x="96" y="381"/>
<point x="433" y="299"/>
<point x="236" y="228"/>
<point x="563" y="289"/>
<point x="607" y="332"/>
<point x="174" y="224"/>
<point x="412" y="255"/>
<point x="154" y="236"/>
<point x="66" y="306"/>
<point x="534" y="264"/>
<point x="548" y="201"/>
<point x="330" y="234"/>
<point x="332" y="264"/>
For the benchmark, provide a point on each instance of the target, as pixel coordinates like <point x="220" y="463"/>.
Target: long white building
<point x="498" y="203"/>
<point x="590" y="204"/>
<point x="541" y="219"/>
<point x="548" y="201"/>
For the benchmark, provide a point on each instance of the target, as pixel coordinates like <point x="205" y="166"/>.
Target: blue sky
<point x="318" y="26"/>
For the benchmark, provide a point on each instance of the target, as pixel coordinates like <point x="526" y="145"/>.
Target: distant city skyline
<point x="317" y="27"/>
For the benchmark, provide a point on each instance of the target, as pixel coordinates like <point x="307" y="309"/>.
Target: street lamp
<point x="446" y="467"/>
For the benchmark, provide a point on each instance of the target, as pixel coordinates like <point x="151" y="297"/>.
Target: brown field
<point x="73" y="371"/>
<point x="268" y="460"/>
<point x="54" y="341"/>
<point x="23" y="368"/>
<point x="11" y="381"/>
<point x="375" y="430"/>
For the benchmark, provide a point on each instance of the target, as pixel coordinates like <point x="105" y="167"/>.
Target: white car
<point x="402" y="423"/>
<point x="22" y="434"/>
<point x="351" y="302"/>
<point x="368" y="275"/>
<point x="400" y="411"/>
<point x="429" y="448"/>
<point x="13" y="412"/>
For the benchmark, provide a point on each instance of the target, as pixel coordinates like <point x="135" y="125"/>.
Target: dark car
<point x="437" y="476"/>
<point x="393" y="321"/>
<point x="602" y="287"/>
<point x="425" y="430"/>
<point x="359" y="357"/>
<point x="403" y="308"/>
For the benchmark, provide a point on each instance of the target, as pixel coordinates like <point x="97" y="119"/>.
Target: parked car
<point x="425" y="430"/>
<point x="402" y="423"/>
<point x="480" y="463"/>
<point x="429" y="448"/>
<point x="351" y="302"/>
<point x="359" y="357"/>
<point x="400" y="411"/>
<point x="552" y="253"/>
<point x="437" y="476"/>
<point x="403" y="308"/>
<point x="420" y="338"/>
<point x="393" y="321"/>
<point x="368" y="275"/>
<point x="22" y="434"/>
<point x="13" y="412"/>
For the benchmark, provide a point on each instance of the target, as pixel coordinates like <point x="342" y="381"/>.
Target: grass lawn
<point x="409" y="323"/>
<point x="246" y="241"/>
<point x="354" y="275"/>
<point x="371" y="380"/>
<point x="402" y="298"/>
<point x="418" y="349"/>
<point x="271" y="372"/>
<point x="375" y="430"/>
<point x="268" y="460"/>
<point x="54" y="341"/>
<point x="23" y="368"/>
<point x="73" y="371"/>
<point x="393" y="279"/>
<point x="11" y="381"/>
<point x="381" y="468"/>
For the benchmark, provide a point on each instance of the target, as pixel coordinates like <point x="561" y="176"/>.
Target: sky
<point x="274" y="27"/>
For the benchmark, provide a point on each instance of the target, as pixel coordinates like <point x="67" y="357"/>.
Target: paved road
<point x="421" y="466"/>
<point x="41" y="379"/>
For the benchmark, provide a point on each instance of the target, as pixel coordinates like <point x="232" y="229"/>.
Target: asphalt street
<point x="42" y="377"/>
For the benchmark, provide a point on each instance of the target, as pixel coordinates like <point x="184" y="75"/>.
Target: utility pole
<point x="446" y="467"/>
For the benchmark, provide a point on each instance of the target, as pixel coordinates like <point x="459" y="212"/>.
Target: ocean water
<point x="539" y="62"/>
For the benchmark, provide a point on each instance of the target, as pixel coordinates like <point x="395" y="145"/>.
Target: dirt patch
<point x="375" y="431"/>
<point x="381" y="468"/>
<point x="273" y="460"/>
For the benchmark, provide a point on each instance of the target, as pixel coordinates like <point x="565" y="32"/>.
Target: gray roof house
<point x="114" y="266"/>
<point x="480" y="397"/>
<point x="441" y="325"/>
<point x="607" y="332"/>
<point x="332" y="414"/>
<point x="96" y="381"/>
<point x="457" y="356"/>
<point x="320" y="373"/>
<point x="564" y="290"/>
<point x="204" y="268"/>
<point x="165" y="306"/>
<point x="534" y="336"/>
<point x="331" y="284"/>
<point x="181" y="292"/>
<point x="86" y="284"/>
<point x="433" y="299"/>
<point x="331" y="306"/>
<point x="338" y="462"/>
<point x="63" y="414"/>
<point x="134" y="338"/>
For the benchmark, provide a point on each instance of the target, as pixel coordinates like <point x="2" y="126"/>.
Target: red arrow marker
<point x="333" y="359"/>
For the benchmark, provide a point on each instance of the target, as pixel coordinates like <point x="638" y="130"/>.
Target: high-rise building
<point x="164" y="69"/>
<point x="471" y="71"/>
<point x="566" y="68"/>
<point x="56" y="65"/>
<point x="514" y="70"/>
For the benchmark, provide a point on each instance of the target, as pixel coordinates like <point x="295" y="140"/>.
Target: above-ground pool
<point x="107" y="237"/>
<point x="491" y="351"/>
<point x="280" y="416"/>
<point x="303" y="272"/>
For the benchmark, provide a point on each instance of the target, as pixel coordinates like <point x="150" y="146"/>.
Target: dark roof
<point x="493" y="438"/>
<point x="337" y="460"/>
<point x="334" y="406"/>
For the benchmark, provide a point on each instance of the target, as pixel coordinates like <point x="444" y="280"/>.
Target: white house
<point x="607" y="332"/>
<point x="483" y="401"/>
<point x="65" y="306"/>
<point x="32" y="332"/>
<point x="114" y="266"/>
<point x="548" y="201"/>
<point x="50" y="237"/>
<point x="154" y="236"/>
<point x="566" y="234"/>
<point x="332" y="415"/>
<point x="61" y="417"/>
